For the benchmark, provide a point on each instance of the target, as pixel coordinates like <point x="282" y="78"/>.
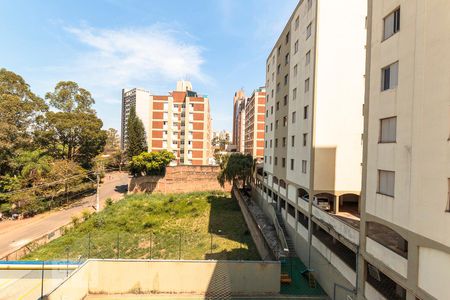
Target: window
<point x="283" y="162"/>
<point x="279" y="50"/>
<point x="271" y="110"/>
<point x="278" y="69"/>
<point x="271" y="126"/>
<point x="285" y="121"/>
<point x="297" y="22"/>
<point x="270" y="143"/>
<point x="293" y="141"/>
<point x="388" y="130"/>
<point x="265" y="142"/>
<point x="391" y="24"/>
<point x="308" y="58"/>
<point x="304" y="165"/>
<point x="276" y="143"/>
<point x="306" y="85"/>
<point x="389" y="77"/>
<point x="295" y="71"/>
<point x="287" y="37"/>
<point x="268" y="68"/>
<point x="386" y="182"/>
<point x="271" y="93"/>
<point x="276" y="161"/>
<point x="308" y="31"/>
<point x="293" y="117"/>
<point x="278" y="105"/>
<point x="296" y="46"/>
<point x="305" y="139"/>
<point x="309" y="4"/>
<point x="265" y="159"/>
<point x="278" y="87"/>
<point x="294" y="94"/>
<point x="305" y="112"/>
<point x="267" y="113"/>
<point x="285" y="100"/>
<point x="292" y="164"/>
<point x="286" y="59"/>
<point x="286" y="79"/>
<point x="266" y="128"/>
<point x="276" y="124"/>
<point x="284" y="142"/>
<point x="273" y="76"/>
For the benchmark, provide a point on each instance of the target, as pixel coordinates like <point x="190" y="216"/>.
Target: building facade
<point x="313" y="137"/>
<point x="238" y="120"/>
<point x="179" y="122"/>
<point x="254" y="124"/>
<point x="405" y="218"/>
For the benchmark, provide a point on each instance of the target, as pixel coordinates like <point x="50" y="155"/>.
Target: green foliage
<point x="20" y="111"/>
<point x="135" y="142"/>
<point x="236" y="167"/>
<point x="138" y="221"/>
<point x="33" y="166"/>
<point x="151" y="163"/>
<point x="69" y="97"/>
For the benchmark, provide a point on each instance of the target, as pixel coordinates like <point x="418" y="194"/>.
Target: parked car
<point x="322" y="203"/>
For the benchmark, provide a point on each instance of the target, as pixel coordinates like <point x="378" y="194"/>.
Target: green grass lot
<point x="204" y="225"/>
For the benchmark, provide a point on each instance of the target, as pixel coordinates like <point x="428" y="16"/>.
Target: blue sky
<point x="220" y="45"/>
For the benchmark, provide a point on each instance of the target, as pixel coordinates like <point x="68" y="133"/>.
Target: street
<point x="15" y="234"/>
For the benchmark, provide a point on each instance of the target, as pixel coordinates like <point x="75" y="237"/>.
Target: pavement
<point x="17" y="233"/>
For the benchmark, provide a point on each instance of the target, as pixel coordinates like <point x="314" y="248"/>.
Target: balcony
<point x="303" y="203"/>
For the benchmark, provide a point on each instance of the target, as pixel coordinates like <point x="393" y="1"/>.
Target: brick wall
<point x="179" y="179"/>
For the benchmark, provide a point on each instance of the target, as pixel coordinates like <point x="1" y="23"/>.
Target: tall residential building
<point x="179" y="122"/>
<point x="313" y="137"/>
<point x="405" y="217"/>
<point x="254" y="123"/>
<point x="238" y="120"/>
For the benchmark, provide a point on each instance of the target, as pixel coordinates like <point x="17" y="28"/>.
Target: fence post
<point x="151" y="244"/>
<point x="42" y="281"/>
<point x="179" y="248"/>
<point x="67" y="265"/>
<point x="89" y="245"/>
<point x="118" y="245"/>
<point x="211" y="244"/>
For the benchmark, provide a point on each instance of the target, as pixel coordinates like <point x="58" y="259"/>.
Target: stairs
<point x="289" y="241"/>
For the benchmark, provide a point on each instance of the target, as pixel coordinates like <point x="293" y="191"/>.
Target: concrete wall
<point x="179" y="179"/>
<point x="171" y="277"/>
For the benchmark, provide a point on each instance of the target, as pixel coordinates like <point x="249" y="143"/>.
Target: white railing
<point x="341" y="266"/>
<point x="391" y="259"/>
<point x="338" y="225"/>
<point x="304" y="204"/>
<point x="283" y="191"/>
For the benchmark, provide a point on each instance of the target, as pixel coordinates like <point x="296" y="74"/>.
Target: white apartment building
<point x="313" y="136"/>
<point x="405" y="218"/>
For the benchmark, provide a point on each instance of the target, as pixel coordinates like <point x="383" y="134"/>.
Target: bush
<point x="151" y="163"/>
<point x="75" y="220"/>
<point x="108" y="202"/>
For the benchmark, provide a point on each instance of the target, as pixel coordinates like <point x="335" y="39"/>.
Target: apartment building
<point x="405" y="217"/>
<point x="179" y="122"/>
<point x="239" y="120"/>
<point x="313" y="137"/>
<point x="254" y="124"/>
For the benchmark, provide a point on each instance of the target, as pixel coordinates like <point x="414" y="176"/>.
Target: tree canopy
<point x="69" y="97"/>
<point x="150" y="163"/>
<point x="235" y="168"/>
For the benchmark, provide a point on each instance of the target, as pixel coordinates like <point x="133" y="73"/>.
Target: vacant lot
<point x="207" y="225"/>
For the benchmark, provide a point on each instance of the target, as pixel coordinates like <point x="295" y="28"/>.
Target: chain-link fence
<point x="167" y="245"/>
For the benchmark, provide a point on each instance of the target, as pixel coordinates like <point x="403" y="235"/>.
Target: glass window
<point x="391" y="24"/>
<point x="386" y="183"/>
<point x="388" y="130"/>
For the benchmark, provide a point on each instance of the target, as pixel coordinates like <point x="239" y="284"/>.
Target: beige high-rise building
<point x="179" y="122"/>
<point x="238" y="120"/>
<point x="254" y="124"/>
<point x="313" y="137"/>
<point x="405" y="217"/>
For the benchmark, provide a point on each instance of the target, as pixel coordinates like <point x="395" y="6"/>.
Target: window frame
<point x="380" y="135"/>
<point x="385" y="193"/>
<point x="396" y="23"/>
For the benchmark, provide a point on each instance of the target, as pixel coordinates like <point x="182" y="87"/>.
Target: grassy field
<point x="207" y="225"/>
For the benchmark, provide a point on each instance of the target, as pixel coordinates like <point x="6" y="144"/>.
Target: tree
<point x="235" y="168"/>
<point x="135" y="142"/>
<point x="112" y="141"/>
<point x="151" y="163"/>
<point x="69" y="97"/>
<point x="20" y="111"/>
<point x="32" y="166"/>
<point x="74" y="132"/>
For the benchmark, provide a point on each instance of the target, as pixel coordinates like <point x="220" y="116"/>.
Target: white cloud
<point x="124" y="56"/>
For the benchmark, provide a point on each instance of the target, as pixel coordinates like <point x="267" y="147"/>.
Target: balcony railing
<point x="303" y="203"/>
<point x="341" y="227"/>
<point x="391" y="259"/>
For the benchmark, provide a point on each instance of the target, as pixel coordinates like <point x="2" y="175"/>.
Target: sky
<point x="106" y="45"/>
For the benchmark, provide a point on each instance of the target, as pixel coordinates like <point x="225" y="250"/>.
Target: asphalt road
<point x="15" y="234"/>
